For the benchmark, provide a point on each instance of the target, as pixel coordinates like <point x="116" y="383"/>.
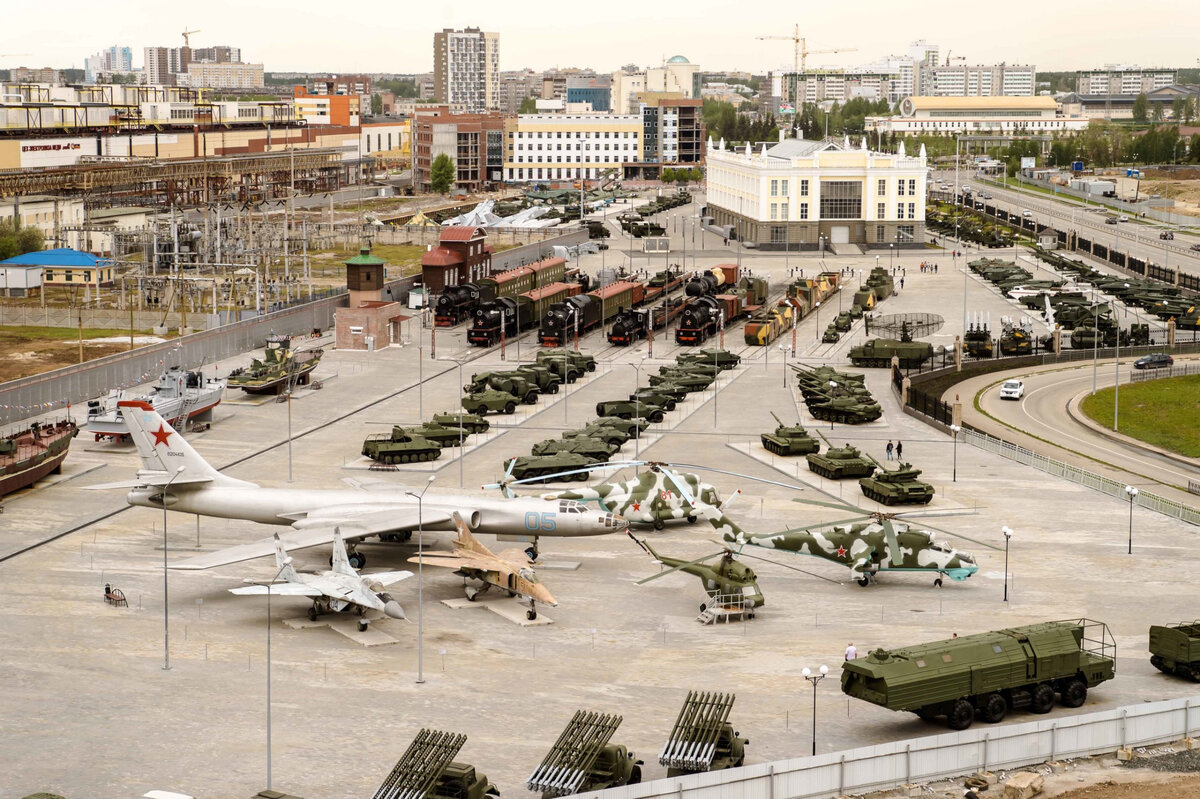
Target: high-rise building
<point x="475" y="142"/>
<point x="965" y="80"/>
<point x="114" y="59"/>
<point x="676" y="75"/>
<point x="1122" y="79"/>
<point x="466" y="68"/>
<point x="818" y="85"/>
<point x="224" y="75"/>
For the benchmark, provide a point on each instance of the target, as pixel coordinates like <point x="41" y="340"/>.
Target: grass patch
<point x="1161" y="412"/>
<point x="15" y="333"/>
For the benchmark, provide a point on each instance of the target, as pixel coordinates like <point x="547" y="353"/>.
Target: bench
<point x="115" y="596"/>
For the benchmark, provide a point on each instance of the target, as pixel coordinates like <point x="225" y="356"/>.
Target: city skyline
<point x="1061" y="36"/>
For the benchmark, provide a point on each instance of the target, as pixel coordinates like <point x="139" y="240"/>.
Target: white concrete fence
<point x="937" y="757"/>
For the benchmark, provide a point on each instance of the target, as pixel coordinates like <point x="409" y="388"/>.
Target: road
<point x="1134" y="238"/>
<point x="1042" y="423"/>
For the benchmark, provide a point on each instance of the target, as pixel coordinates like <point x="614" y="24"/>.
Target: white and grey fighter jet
<point x="314" y="514"/>
<point x="340" y="588"/>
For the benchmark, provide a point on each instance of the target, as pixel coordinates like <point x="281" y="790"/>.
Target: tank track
<point x="408" y="457"/>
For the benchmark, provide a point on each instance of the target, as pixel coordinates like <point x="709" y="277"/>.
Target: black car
<point x="1167" y="235"/>
<point x="1155" y="360"/>
<point x="1196" y="247"/>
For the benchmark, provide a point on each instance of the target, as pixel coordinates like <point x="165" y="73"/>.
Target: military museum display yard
<point x="89" y="709"/>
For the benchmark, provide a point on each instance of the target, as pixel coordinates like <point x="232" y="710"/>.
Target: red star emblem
<point x="161" y="434"/>
<point x="841" y="552"/>
<point x="637" y="506"/>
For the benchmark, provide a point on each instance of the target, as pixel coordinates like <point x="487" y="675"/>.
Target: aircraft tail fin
<point x="728" y="528"/>
<point x="163" y="449"/>
<point x="283" y="561"/>
<point x="341" y="563"/>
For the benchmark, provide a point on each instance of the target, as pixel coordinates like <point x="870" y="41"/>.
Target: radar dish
<point x="900" y="325"/>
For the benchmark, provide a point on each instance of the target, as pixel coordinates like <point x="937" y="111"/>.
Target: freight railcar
<point x="525" y="278"/>
<point x="766" y="325"/>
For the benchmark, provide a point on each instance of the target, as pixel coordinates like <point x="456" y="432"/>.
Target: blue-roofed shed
<point x="64" y="266"/>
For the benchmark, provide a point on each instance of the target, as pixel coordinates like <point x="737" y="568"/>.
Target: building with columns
<point x="803" y="194"/>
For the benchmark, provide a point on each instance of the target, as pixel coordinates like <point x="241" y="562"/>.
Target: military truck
<point x="567" y="364"/>
<point x="543" y="377"/>
<point x="789" y="440"/>
<point x="898" y="486"/>
<point x="703" y="738"/>
<point x="472" y="423"/>
<point x="989" y="673"/>
<point x="628" y="409"/>
<point x="879" y="352"/>
<point x="590" y="446"/>
<point x="1175" y="649"/>
<point x="516" y="383"/>
<point x="400" y="446"/>
<point x="582" y="759"/>
<point x="490" y="401"/>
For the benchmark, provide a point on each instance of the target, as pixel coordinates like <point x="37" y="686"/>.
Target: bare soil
<point x="1169" y="788"/>
<point x="22" y="357"/>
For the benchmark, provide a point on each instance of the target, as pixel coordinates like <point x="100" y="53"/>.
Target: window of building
<point x="883" y="186"/>
<point x="912" y="187"/>
<point x="880" y="233"/>
<point x="783" y="210"/>
<point x="803" y="210"/>
<point x="841" y="199"/>
<point x="899" y="210"/>
<point x="774" y="188"/>
<point x="778" y="234"/>
<point x="905" y="233"/>
<point x="783" y="188"/>
<point x="774" y="211"/>
<point x="900" y="187"/>
<point x="912" y="210"/>
<point x="804" y="187"/>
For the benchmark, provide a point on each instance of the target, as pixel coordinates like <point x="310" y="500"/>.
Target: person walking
<point x="851" y="652"/>
<point x="899" y="450"/>
<point x="889" y="450"/>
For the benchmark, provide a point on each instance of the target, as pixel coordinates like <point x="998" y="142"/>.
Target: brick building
<point x="474" y="141"/>
<point x="462" y="256"/>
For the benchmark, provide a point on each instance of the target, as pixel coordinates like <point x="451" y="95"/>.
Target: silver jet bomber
<point x="339" y="589"/>
<point x="174" y="474"/>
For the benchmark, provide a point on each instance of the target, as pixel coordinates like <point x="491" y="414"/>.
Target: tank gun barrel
<point x="781" y="424"/>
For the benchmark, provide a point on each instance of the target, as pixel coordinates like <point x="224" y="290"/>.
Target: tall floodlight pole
<point x="814" y="679"/>
<point x="420" y="582"/>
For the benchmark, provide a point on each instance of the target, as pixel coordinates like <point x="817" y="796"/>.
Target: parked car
<point x="1122" y="218"/>
<point x="1196" y="247"/>
<point x="1110" y="220"/>
<point x="1027" y="212"/>
<point x="1155" y="360"/>
<point x="1167" y="234"/>
<point x="1012" y="390"/>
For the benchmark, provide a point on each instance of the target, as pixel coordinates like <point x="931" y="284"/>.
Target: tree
<point x="528" y="106"/>
<point x="1157" y="113"/>
<point x="668" y="175"/>
<point x="441" y="174"/>
<point x="1179" y="109"/>
<point x="15" y="240"/>
<point x="376" y="104"/>
<point x="683" y="176"/>
<point x="1194" y="148"/>
<point x="1141" y="108"/>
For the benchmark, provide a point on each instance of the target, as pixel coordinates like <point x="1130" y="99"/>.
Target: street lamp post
<point x="1132" y="493"/>
<point x="166" y="629"/>
<point x="955" y="429"/>
<point x="783" y="349"/>
<point x="814" y="679"/>
<point x="287" y="561"/>
<point x="1095" y="339"/>
<point x="420" y="584"/>
<point x="637" y="430"/>
<point x="1007" y="537"/>
<point x="1117" y="374"/>
<point x="817" y="320"/>
<point x="891" y="255"/>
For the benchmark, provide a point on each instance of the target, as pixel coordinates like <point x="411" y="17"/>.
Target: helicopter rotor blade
<point x="679" y="483"/>
<point x="793" y="568"/>
<point x="953" y="534"/>
<point x="665" y="572"/>
<point x="792" y="486"/>
<point x="893" y="543"/>
<point x="505" y="484"/>
<point x="834" y="505"/>
<point x="834" y="523"/>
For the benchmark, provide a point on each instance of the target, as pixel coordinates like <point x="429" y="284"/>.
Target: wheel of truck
<point x="531" y="398"/>
<point x="961" y="715"/>
<point x="591" y="367"/>
<point x="993" y="708"/>
<point x="510" y="408"/>
<point x="572" y="377"/>
<point x="656" y="416"/>
<point x="635" y="775"/>
<point x="1074" y="693"/>
<point x="1041" y="698"/>
<point x="552" y="388"/>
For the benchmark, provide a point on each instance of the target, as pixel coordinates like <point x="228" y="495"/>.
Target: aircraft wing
<point x="151" y="479"/>
<point x="388" y="578"/>
<point x="391" y="520"/>
<point x="454" y="562"/>
<point x="278" y="589"/>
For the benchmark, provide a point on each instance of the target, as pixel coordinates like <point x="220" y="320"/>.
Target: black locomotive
<point x="455" y="304"/>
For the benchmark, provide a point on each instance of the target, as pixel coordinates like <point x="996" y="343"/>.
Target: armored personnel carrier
<point x="692" y="381"/>
<point x="628" y="409"/>
<point x="611" y="428"/>
<point x="789" y="440"/>
<point x="490" y="401"/>
<point x="831" y="334"/>
<point x="472" y="423"/>
<point x="440" y="434"/>
<point x="1175" y="649"/>
<point x="533" y="466"/>
<point x="879" y="352"/>
<point x="400" y="446"/>
<point x="667" y="399"/>
<point x="844" y="321"/>
<point x="839" y="463"/>
<point x="987" y="674"/>
<point x="897" y="486"/>
<point x="591" y="446"/>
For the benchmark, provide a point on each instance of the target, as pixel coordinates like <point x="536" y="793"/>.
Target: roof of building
<point x="126" y="210"/>
<point x="364" y="258"/>
<point x="462" y="233"/>
<point x="61" y="256"/>
<point x="678" y="59"/>
<point x="440" y="256"/>
<point x="800" y="148"/>
<point x="1039" y="102"/>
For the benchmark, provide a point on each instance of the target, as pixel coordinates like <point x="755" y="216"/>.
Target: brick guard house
<point x="370" y="322"/>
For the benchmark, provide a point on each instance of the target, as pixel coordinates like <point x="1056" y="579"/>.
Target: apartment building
<point x="466" y="69"/>
<point x="1122" y="79"/>
<point x="964" y="80"/>
<point x="476" y="143"/>
<point x="570" y="146"/>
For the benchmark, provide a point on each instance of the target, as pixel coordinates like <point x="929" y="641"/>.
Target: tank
<point x="591" y="446"/>
<point x="626" y="427"/>
<point x="472" y="423"/>
<point x="789" y="440"/>
<point x="628" y="409"/>
<point x="839" y="463"/>
<point x="987" y="674"/>
<point x="534" y="466"/>
<point x="691" y="367"/>
<point x="898" y="486"/>
<point x="691" y="381"/>
<point x="844" y="408"/>
<point x="400" y="446"/>
<point x="490" y="401"/>
<point x="879" y="352"/>
<point x="1175" y="649"/>
<point x="723" y="358"/>
<point x="606" y="433"/>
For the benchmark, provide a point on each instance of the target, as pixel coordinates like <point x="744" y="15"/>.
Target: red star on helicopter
<point x="637" y="506"/>
<point x="841" y="552"/>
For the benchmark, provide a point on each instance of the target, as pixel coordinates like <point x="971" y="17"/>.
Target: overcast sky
<point x="304" y="35"/>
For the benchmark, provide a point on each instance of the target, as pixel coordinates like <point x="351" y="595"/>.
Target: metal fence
<point x="1175" y="370"/>
<point x="937" y="757"/>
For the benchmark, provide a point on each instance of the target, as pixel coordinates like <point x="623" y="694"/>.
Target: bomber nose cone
<point x="393" y="610"/>
<point x="620" y="522"/>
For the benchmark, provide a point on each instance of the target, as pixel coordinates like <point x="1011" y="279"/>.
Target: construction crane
<point x="186" y="34"/>
<point x="956" y="58"/>
<point x="800" y="64"/>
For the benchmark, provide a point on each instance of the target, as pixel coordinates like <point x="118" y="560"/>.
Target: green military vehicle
<point x="1175" y="649"/>
<point x="843" y="407"/>
<point x="832" y="334"/>
<point x="534" y="466"/>
<point x="898" y="486"/>
<point x="490" y="401"/>
<point x="611" y="427"/>
<point x="723" y="358"/>
<point x="843" y="321"/>
<point x="609" y="435"/>
<point x="789" y="440"/>
<point x="703" y="739"/>
<point x="543" y="377"/>
<point x="471" y="422"/>
<point x="400" y="446"/>
<point x="838" y="463"/>
<point x="879" y="352"/>
<point x="692" y="368"/>
<point x="569" y="365"/>
<point x="691" y="381"/>
<point x="628" y="409"/>
<point x="590" y="446"/>
<point x="441" y="434"/>
<point x="988" y="673"/>
<point x="461" y="781"/>
<point x="515" y="383"/>
<point x="666" y="398"/>
<point x="977" y="341"/>
<point x="582" y="759"/>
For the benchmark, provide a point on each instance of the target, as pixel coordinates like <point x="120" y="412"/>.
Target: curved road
<point x="1040" y="422"/>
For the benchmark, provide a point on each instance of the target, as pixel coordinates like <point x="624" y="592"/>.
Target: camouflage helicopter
<point x="727" y="577"/>
<point x="866" y="544"/>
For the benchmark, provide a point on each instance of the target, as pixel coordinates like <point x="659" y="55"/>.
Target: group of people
<point x="897" y="450"/>
<point x="928" y="266"/>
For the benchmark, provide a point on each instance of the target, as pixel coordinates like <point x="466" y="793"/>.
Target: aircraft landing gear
<point x="531" y="551"/>
<point x="312" y="612"/>
<point x="691" y="519"/>
<point x="864" y="581"/>
<point x="531" y="614"/>
<point x="471" y="593"/>
<point x="937" y="581"/>
<point x="659" y="524"/>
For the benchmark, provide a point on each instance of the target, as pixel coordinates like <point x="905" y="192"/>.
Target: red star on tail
<point x="161" y="434"/>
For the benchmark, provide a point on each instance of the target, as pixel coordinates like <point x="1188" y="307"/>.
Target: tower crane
<point x="800" y="63"/>
<point x="186" y="42"/>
